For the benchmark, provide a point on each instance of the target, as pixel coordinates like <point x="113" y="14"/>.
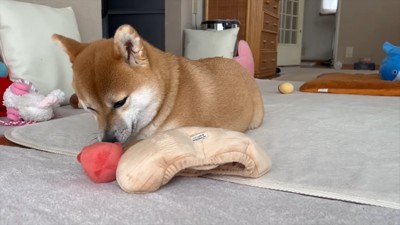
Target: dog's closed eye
<point x="91" y="109"/>
<point x="120" y="103"/>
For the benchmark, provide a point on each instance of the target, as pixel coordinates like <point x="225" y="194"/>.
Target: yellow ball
<point x="286" y="88"/>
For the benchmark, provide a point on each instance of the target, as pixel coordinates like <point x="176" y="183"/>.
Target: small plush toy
<point x="390" y="66"/>
<point x="245" y="57"/>
<point x="286" y="88"/>
<point x="3" y="70"/>
<point x="23" y="102"/>
<point x="74" y="102"/>
<point x="100" y="161"/>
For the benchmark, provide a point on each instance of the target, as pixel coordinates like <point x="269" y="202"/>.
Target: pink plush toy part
<point x="245" y="57"/>
<point x="24" y="103"/>
<point x="100" y="161"/>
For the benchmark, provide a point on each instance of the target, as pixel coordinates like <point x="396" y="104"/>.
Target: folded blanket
<point x="189" y="151"/>
<point x="358" y="84"/>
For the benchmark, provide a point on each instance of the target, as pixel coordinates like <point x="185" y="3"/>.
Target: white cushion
<point x="210" y="43"/>
<point x="27" y="47"/>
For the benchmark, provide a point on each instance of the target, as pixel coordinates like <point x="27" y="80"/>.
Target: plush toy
<point x="189" y="151"/>
<point x="3" y="70"/>
<point x="5" y="82"/>
<point x="74" y="102"/>
<point x="245" y="57"/>
<point x="100" y="161"/>
<point x="390" y="66"/>
<point x="23" y="102"/>
<point x="185" y="151"/>
<point x="285" y="88"/>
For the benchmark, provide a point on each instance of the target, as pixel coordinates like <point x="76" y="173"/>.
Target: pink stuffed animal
<point x="245" y="57"/>
<point x="23" y="102"/>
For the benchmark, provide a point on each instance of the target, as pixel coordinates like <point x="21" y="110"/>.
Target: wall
<point x="87" y="13"/>
<point x="178" y="16"/>
<point x="198" y="11"/>
<point x="318" y="32"/>
<point x="365" y="25"/>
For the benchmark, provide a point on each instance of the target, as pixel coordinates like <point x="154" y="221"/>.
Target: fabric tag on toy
<point x="323" y="90"/>
<point x="199" y="137"/>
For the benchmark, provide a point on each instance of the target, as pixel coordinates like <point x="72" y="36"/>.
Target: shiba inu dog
<point x="134" y="89"/>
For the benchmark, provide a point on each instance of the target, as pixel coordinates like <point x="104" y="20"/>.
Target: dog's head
<point x="113" y="80"/>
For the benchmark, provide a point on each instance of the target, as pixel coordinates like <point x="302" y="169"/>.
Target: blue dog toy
<point x="390" y="67"/>
<point x="3" y="70"/>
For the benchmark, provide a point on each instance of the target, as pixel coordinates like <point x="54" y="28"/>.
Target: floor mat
<point x="64" y="136"/>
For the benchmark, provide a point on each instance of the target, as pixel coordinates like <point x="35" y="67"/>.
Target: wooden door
<point x="290" y="32"/>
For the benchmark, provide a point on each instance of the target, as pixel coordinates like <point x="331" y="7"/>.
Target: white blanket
<point x="344" y="147"/>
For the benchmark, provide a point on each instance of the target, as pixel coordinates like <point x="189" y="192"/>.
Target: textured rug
<point x="342" y="147"/>
<point x="38" y="187"/>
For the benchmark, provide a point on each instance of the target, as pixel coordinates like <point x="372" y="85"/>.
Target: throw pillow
<point x="27" y="47"/>
<point x="210" y="43"/>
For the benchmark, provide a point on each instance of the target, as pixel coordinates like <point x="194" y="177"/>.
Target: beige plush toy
<point x="189" y="151"/>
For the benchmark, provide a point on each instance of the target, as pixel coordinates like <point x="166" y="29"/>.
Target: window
<point x="329" y="6"/>
<point x="289" y="15"/>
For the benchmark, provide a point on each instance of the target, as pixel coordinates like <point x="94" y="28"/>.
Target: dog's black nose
<point x="108" y="138"/>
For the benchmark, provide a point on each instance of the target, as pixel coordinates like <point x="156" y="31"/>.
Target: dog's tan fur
<point x="162" y="91"/>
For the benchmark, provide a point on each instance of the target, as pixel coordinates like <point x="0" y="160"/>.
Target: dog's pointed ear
<point x="129" y="45"/>
<point x="70" y="46"/>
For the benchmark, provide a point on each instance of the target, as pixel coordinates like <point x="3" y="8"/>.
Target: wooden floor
<point x="4" y="141"/>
